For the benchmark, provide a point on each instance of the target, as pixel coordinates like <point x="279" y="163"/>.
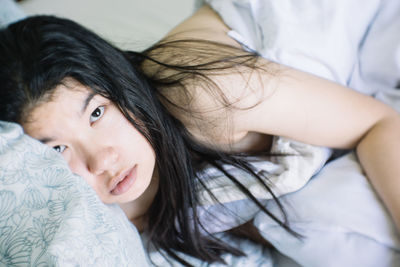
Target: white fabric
<point x="285" y="174"/>
<point x="353" y="42"/>
<point x="342" y="219"/>
<point x="129" y="24"/>
<point x="9" y="12"/>
<point x="317" y="36"/>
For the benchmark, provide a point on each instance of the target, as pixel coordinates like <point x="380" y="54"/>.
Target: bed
<point x="48" y="216"/>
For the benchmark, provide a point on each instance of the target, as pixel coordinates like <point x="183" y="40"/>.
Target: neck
<point x="136" y="210"/>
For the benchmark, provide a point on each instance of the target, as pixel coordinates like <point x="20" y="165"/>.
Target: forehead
<point x="65" y="96"/>
<point x="65" y="102"/>
<point x="69" y="90"/>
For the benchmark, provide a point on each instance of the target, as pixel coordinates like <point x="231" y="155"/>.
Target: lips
<point x="123" y="183"/>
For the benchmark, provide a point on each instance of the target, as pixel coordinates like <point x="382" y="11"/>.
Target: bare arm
<point x="309" y="109"/>
<point x="316" y="111"/>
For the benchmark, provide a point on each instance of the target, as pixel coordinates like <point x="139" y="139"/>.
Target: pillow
<point x="313" y="35"/>
<point x="9" y="12"/>
<point x="341" y="218"/>
<point x="129" y="24"/>
<point x="51" y="217"/>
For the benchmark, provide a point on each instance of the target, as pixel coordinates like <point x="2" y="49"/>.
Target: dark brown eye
<point x="96" y="114"/>
<point x="60" y="148"/>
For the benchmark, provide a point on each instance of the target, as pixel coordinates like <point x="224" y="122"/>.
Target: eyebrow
<point x="87" y="102"/>
<point x="46" y="140"/>
<point x="83" y="110"/>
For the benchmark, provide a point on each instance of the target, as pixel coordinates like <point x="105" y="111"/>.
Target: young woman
<point x="139" y="127"/>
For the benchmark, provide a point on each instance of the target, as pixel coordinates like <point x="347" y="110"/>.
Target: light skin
<point x="295" y="104"/>
<point x="309" y="109"/>
<point x="100" y="145"/>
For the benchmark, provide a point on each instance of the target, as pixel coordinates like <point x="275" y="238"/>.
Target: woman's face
<point x="98" y="143"/>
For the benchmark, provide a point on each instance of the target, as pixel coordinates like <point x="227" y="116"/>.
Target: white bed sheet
<point x="335" y="51"/>
<point x="130" y="24"/>
<point x="343" y="220"/>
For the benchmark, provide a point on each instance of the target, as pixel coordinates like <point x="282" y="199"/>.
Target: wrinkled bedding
<point x="343" y="221"/>
<point x="48" y="216"/>
<point x="341" y="217"/>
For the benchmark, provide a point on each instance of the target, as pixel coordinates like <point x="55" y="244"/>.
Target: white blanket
<point x="343" y="220"/>
<point x="353" y="42"/>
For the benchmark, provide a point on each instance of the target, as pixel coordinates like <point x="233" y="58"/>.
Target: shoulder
<point x="214" y="79"/>
<point x="260" y="96"/>
<point x="204" y="24"/>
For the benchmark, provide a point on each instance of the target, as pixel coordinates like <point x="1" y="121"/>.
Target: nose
<point x="102" y="160"/>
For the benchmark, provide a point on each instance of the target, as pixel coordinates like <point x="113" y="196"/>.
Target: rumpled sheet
<point x="343" y="221"/>
<point x="50" y="217"/>
<point x="283" y="174"/>
<point x="340" y="216"/>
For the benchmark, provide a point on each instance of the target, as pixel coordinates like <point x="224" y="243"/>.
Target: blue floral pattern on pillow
<point x="51" y="217"/>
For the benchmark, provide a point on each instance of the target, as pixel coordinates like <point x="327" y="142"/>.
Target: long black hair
<point x="38" y="53"/>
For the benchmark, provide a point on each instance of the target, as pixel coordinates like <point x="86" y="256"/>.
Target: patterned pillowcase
<point x="49" y="216"/>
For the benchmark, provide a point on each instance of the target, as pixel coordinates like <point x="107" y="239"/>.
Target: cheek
<point x="130" y="139"/>
<point x="75" y="167"/>
<point x="90" y="179"/>
<point x="78" y="168"/>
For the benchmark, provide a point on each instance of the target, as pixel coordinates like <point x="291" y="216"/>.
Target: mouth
<point x="124" y="182"/>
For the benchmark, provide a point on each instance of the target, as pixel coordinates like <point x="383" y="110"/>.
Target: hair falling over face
<point x="38" y="53"/>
